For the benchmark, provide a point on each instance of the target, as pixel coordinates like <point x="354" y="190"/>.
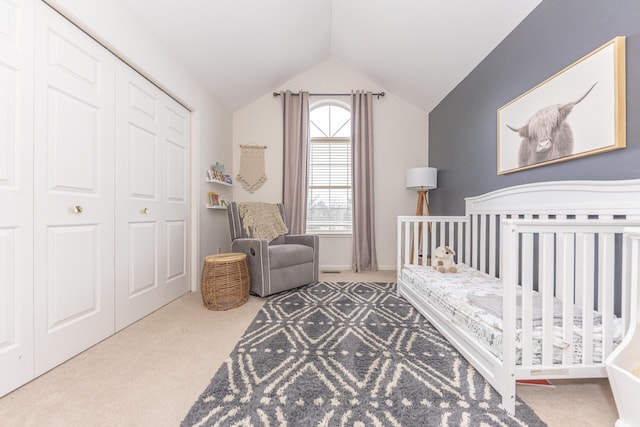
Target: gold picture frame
<point x="578" y="112"/>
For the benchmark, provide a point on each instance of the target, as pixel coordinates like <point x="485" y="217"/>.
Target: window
<point x="329" y="191"/>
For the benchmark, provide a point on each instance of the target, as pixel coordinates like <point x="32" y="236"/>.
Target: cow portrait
<point x="547" y="135"/>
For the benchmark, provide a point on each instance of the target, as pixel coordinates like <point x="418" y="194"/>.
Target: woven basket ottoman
<point x="225" y="281"/>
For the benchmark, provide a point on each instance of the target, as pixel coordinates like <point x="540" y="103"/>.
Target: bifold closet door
<point x="74" y="190"/>
<point x="152" y="135"/>
<point x="16" y="197"/>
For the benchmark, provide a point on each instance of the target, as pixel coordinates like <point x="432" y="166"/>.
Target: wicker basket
<point x="225" y="281"/>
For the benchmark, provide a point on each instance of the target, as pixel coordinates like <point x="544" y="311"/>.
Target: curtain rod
<point x="378" y="95"/>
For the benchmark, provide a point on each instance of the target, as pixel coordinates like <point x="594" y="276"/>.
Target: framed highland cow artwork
<point x="578" y="112"/>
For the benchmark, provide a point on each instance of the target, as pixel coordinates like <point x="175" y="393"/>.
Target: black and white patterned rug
<point x="348" y="354"/>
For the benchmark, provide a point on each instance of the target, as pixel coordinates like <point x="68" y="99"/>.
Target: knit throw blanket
<point x="261" y="220"/>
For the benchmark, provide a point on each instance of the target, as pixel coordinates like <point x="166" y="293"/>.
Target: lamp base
<point x="422" y="207"/>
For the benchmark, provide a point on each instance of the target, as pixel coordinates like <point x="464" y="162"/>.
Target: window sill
<point x="332" y="234"/>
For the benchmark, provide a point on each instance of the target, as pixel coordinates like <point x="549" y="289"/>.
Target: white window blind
<point x="329" y="187"/>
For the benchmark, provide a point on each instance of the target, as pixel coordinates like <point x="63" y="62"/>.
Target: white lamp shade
<point x="424" y="178"/>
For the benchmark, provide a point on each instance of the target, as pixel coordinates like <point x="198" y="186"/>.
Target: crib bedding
<point x="472" y="300"/>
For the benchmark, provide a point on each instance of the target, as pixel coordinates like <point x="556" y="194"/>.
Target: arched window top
<point x="330" y="120"/>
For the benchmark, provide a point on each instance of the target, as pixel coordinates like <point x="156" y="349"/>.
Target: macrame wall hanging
<point x="252" y="174"/>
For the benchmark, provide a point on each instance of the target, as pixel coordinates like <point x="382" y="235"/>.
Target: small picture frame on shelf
<point x="210" y="175"/>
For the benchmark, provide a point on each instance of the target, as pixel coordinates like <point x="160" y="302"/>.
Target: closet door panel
<point x="176" y="144"/>
<point x="151" y="197"/>
<point x="71" y="120"/>
<point x="176" y="268"/>
<point x="139" y="217"/>
<point x="142" y="159"/>
<point x="16" y="193"/>
<point x="74" y="190"/>
<point x="9" y="90"/>
<point x="143" y="258"/>
<point x="73" y="289"/>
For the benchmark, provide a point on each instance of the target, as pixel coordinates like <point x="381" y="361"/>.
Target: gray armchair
<point x="286" y="262"/>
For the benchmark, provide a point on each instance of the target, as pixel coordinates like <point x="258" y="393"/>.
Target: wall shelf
<point x="217" y="207"/>
<point x="216" y="181"/>
<point x="213" y="196"/>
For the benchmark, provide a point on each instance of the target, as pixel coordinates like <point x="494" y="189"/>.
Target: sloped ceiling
<point x="417" y="49"/>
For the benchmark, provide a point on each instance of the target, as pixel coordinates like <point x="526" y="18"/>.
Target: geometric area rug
<point x="348" y="354"/>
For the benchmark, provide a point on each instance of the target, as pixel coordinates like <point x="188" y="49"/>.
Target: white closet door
<point x="176" y="145"/>
<point x="151" y="158"/>
<point x="139" y="230"/>
<point x="16" y="193"/>
<point x="74" y="190"/>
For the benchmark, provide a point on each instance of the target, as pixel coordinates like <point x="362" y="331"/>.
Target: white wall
<point x="400" y="142"/>
<point x="114" y="23"/>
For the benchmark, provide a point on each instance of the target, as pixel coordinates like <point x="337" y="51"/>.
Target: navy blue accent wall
<point x="462" y="128"/>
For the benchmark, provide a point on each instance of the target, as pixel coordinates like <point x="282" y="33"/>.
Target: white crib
<point x="558" y="247"/>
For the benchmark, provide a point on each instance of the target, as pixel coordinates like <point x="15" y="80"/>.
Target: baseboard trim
<point x="341" y="268"/>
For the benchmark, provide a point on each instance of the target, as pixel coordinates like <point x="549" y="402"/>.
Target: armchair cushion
<point x="291" y="254"/>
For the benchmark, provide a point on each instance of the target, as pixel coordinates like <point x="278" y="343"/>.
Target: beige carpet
<point x="153" y="371"/>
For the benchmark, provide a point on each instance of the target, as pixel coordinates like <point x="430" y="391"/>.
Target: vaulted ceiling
<point x="417" y="49"/>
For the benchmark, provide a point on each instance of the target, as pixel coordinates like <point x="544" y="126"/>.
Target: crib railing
<point x="576" y="262"/>
<point x="419" y="236"/>
<point x="475" y="238"/>
<point x="570" y="274"/>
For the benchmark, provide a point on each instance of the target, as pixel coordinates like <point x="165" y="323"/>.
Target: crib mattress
<point x="472" y="300"/>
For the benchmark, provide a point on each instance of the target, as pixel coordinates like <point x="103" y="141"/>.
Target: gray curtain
<point x="364" y="244"/>
<point x="295" y="112"/>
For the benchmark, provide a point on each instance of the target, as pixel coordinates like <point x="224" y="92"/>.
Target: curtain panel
<point x="295" y="112"/>
<point x="364" y="245"/>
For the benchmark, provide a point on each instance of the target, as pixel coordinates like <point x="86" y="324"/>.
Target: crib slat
<point x="483" y="243"/>
<point x="499" y="236"/>
<point x="630" y="247"/>
<point x="546" y="292"/>
<point x="415" y="246"/>
<point x="451" y="241"/>
<point x="492" y="244"/>
<point x="580" y="268"/>
<point x="471" y="238"/>
<point x="564" y="290"/>
<point x="407" y="242"/>
<point x="425" y="241"/>
<point x="606" y="251"/>
<point x="441" y="235"/>
<point x="477" y="245"/>
<point x="433" y="242"/>
<point x="527" y="298"/>
<point x="474" y="240"/>
<point x="460" y="246"/>
<point x="584" y="289"/>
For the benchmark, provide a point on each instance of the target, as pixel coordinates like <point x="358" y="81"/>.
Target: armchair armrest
<point x="257" y="251"/>
<point x="245" y="245"/>
<point x="311" y="240"/>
